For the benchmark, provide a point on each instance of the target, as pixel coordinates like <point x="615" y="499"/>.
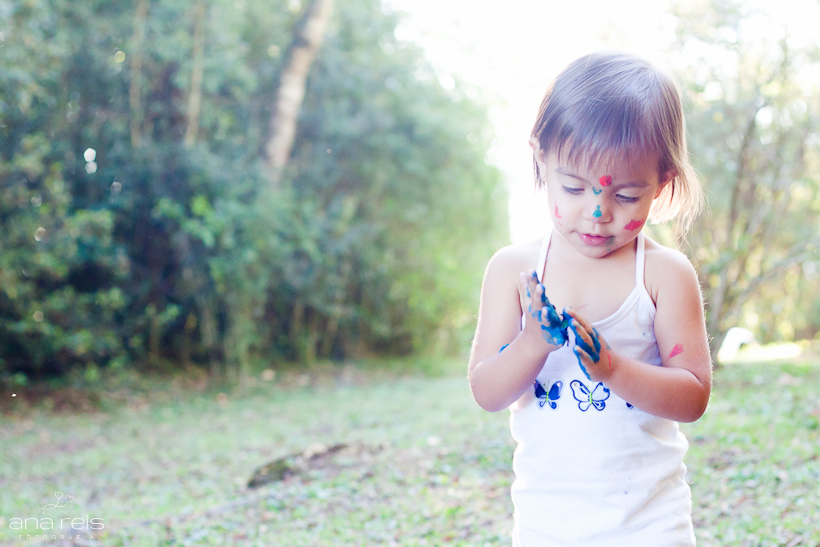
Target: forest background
<point x="146" y="225"/>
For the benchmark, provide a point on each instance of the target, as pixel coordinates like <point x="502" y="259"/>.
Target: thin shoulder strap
<point x="640" y="260"/>
<point x="542" y="255"/>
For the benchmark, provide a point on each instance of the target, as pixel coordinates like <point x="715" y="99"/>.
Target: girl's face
<point x="599" y="211"/>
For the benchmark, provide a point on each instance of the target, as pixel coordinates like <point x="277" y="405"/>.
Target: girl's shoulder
<point x="515" y="258"/>
<point x="665" y="269"/>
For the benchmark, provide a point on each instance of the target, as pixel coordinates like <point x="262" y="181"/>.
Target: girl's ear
<point x="665" y="179"/>
<point x="536" y="149"/>
<point x="538" y="154"/>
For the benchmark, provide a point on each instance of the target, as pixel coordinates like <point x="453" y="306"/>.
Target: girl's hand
<point x="590" y="348"/>
<point x="541" y="313"/>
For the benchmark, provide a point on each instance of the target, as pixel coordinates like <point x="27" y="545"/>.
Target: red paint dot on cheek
<point x="606" y="180"/>
<point x="634" y="225"/>
<point x="557" y="214"/>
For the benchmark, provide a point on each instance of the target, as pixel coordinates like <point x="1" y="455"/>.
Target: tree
<point x="197" y="70"/>
<point x="59" y="262"/>
<point x="383" y="231"/>
<point x="307" y="39"/>
<point x="140" y="130"/>
<point x="135" y="88"/>
<point x="754" y="125"/>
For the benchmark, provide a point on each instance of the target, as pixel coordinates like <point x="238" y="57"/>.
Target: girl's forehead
<point x="607" y="164"/>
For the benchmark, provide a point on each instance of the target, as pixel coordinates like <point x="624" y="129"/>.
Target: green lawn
<point x="423" y="464"/>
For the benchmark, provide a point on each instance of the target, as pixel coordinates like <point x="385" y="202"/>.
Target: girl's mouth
<point x="594" y="241"/>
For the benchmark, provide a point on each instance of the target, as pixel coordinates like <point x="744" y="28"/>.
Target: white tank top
<point x="591" y="470"/>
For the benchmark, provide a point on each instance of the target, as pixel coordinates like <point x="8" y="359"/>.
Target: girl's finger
<point x="527" y="289"/>
<point x="528" y="280"/>
<point x="586" y="324"/>
<point x="581" y="354"/>
<point x="523" y="284"/>
<point x="583" y="361"/>
<point x="539" y="293"/>
<point x="587" y="341"/>
<point x="581" y="332"/>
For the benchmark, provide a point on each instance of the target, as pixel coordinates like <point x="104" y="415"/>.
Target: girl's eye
<point x="573" y="191"/>
<point x="627" y="199"/>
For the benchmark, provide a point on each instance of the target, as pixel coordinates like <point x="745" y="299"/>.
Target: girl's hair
<point x="607" y="107"/>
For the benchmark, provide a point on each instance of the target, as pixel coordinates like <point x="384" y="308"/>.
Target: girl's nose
<point x="599" y="215"/>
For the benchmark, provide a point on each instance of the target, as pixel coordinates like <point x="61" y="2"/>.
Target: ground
<point x="357" y="458"/>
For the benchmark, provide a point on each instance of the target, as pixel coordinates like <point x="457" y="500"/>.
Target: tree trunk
<point x="312" y="339"/>
<point x="338" y="299"/>
<point x="238" y="338"/>
<point x="209" y="333"/>
<point x="154" y="334"/>
<point x="307" y="39"/>
<point x="295" y="332"/>
<point x="137" y="42"/>
<point x="197" y="73"/>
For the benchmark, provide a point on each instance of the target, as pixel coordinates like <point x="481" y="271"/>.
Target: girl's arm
<point x="498" y="378"/>
<point x="678" y="390"/>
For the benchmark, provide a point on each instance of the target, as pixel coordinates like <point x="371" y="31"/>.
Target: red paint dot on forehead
<point x="606" y="180"/>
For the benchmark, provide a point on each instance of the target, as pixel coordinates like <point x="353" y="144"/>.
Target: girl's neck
<point x="561" y="250"/>
<point x="595" y="287"/>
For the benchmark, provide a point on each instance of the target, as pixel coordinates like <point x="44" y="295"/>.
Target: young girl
<point x="596" y="390"/>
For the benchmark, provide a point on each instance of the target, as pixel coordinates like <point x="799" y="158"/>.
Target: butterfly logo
<point x="548" y="398"/>
<point x="587" y="398"/>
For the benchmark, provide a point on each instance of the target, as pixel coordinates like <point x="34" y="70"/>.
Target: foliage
<point x="59" y="264"/>
<point x="753" y="119"/>
<point x="168" y="464"/>
<point x="126" y="242"/>
<point x="389" y="233"/>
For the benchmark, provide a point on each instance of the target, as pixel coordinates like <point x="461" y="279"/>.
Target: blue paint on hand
<point x="533" y="314"/>
<point x="502" y="348"/>
<point x="581" y="364"/>
<point x="554" y="334"/>
<point x="553" y="325"/>
<point x="594" y="352"/>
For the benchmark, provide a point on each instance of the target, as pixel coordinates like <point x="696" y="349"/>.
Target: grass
<point x="167" y="463"/>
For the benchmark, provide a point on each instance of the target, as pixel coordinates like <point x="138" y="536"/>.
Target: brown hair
<point x="607" y="106"/>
